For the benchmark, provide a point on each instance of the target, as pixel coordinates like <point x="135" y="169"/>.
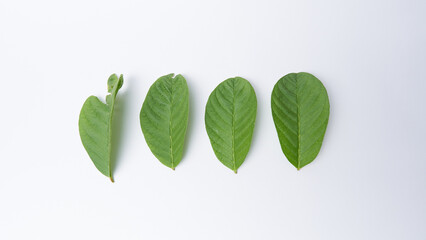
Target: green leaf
<point x="300" y="108"/>
<point x="95" y="125"/>
<point x="164" y="118"/>
<point x="230" y="117"/>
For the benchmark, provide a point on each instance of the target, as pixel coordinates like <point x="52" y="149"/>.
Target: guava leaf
<point x="164" y="118"/>
<point x="230" y="117"/>
<point x="95" y="125"/>
<point x="300" y="109"/>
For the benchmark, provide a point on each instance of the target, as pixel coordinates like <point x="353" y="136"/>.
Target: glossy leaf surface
<point x="230" y="117"/>
<point x="164" y="118"/>
<point x="300" y="109"/>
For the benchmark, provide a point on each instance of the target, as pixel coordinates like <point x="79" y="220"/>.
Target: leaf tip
<point x="235" y="171"/>
<point x="111" y="178"/>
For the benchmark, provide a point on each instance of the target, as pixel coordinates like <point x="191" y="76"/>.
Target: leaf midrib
<point x="110" y="133"/>
<point x="233" y="125"/>
<point x="298" y="124"/>
<point x="113" y="95"/>
<point x="170" y="123"/>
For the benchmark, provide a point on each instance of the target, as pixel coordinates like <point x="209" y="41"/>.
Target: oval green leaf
<point x="95" y="126"/>
<point x="230" y="117"/>
<point x="300" y="108"/>
<point x="164" y="118"/>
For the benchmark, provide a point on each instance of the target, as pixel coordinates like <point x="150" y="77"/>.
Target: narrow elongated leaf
<point x="95" y="125"/>
<point x="230" y="117"/>
<point x="164" y="118"/>
<point x="300" y="108"/>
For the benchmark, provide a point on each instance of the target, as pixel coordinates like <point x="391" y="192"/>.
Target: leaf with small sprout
<point x="95" y="126"/>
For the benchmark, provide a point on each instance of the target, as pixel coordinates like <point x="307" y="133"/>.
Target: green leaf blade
<point x="164" y="118"/>
<point x="230" y="117"/>
<point x="300" y="109"/>
<point x="95" y="122"/>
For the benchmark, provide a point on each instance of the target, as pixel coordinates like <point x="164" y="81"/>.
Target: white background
<point x="368" y="182"/>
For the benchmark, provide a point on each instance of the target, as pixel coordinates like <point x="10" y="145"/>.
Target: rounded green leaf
<point x="164" y="118"/>
<point x="95" y="123"/>
<point x="230" y="117"/>
<point x="300" y="108"/>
